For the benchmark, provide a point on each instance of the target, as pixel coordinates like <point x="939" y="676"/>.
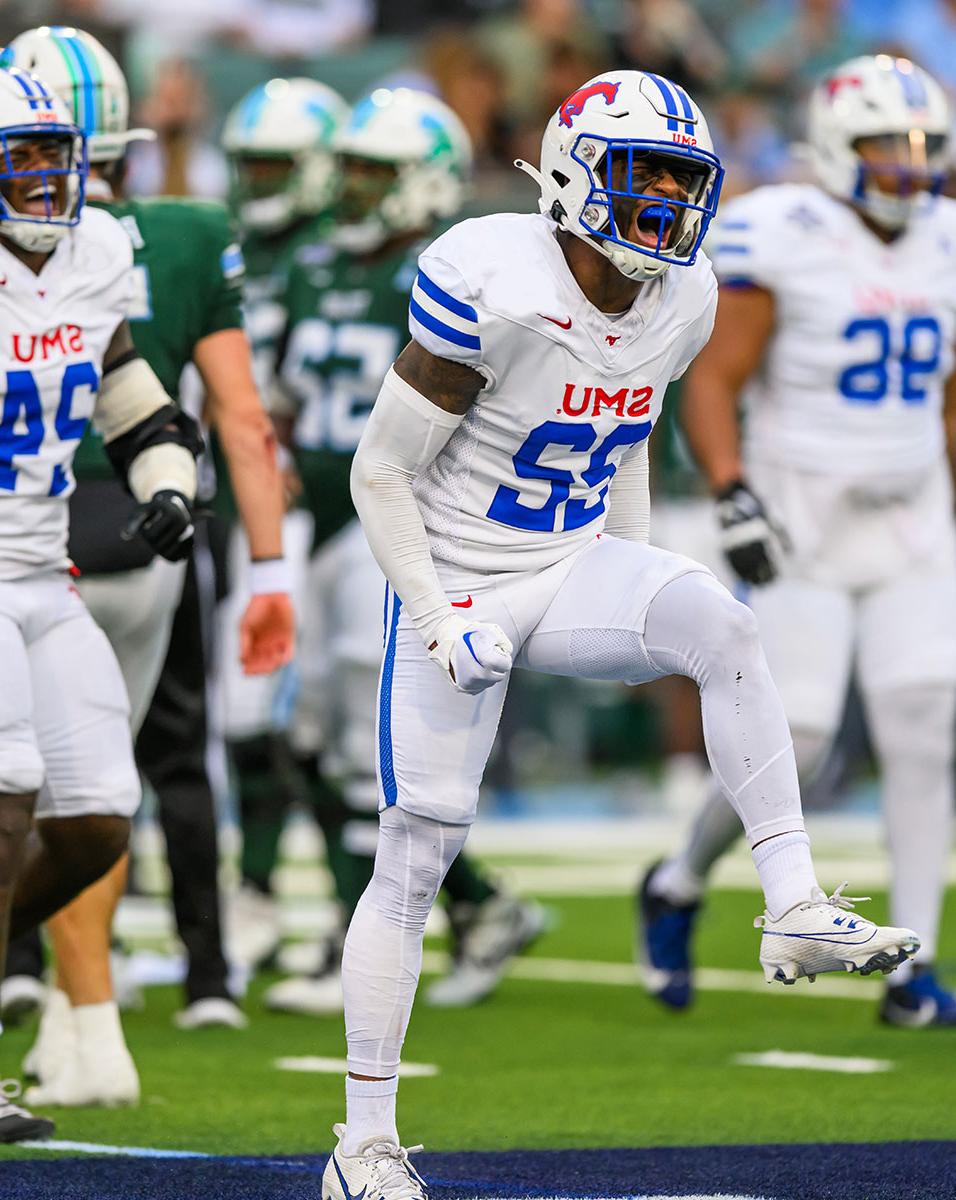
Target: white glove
<point x="476" y="655"/>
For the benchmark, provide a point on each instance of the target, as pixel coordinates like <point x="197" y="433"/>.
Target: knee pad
<point x="412" y="859"/>
<point x="914" y="722"/>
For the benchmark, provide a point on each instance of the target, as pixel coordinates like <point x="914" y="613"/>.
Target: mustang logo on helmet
<point x="837" y="82"/>
<point x="574" y="105"/>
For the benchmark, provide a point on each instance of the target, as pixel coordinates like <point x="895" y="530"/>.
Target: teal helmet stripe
<point x="251" y="109"/>
<point x="84" y="72"/>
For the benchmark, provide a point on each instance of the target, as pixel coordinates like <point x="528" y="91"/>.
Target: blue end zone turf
<point x="884" y="1171"/>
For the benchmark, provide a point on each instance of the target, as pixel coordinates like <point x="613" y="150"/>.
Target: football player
<point x="404" y="157"/>
<point x="66" y="756"/>
<point x="185" y="307"/>
<point x="284" y="180"/>
<point x="835" y="332"/>
<point x="502" y="484"/>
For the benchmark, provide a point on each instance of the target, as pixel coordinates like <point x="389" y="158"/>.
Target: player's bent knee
<point x="413" y="857"/>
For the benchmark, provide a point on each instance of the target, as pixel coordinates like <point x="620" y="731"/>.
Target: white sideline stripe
<point x="130" y="1151"/>
<point x="339" y="1066"/>
<point x="707" y="979"/>
<point x="814" y="1062"/>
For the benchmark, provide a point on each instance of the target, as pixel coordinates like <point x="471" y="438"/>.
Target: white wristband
<point x="268" y="576"/>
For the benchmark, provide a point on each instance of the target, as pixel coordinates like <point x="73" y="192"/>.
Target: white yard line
<point x="96" y="1148"/>
<point x="312" y="1063"/>
<point x="707" y="979"/>
<point x="788" y="1061"/>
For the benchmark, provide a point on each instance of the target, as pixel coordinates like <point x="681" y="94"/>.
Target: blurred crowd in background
<point x="504" y="66"/>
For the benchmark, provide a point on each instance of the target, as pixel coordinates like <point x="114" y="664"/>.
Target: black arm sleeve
<point x="167" y="424"/>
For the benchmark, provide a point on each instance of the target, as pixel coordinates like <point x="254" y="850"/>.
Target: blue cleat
<point x="663" y="945"/>
<point x="921" y="1001"/>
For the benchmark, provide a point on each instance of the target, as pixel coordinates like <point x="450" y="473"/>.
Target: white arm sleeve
<point x="404" y="434"/>
<point x="629" y="514"/>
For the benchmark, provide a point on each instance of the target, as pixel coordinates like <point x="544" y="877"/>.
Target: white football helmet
<point x="292" y="120"/>
<point x="31" y="112"/>
<point x="887" y="98"/>
<point x="87" y="78"/>
<point x="430" y="151"/>
<point x="606" y="141"/>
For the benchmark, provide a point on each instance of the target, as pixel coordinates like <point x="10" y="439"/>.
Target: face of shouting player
<point x="35" y="191"/>
<point x="641" y="187"/>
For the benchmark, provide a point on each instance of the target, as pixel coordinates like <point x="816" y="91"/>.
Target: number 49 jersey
<point x="852" y="381"/>
<point x="571" y="392"/>
<point x="55" y="328"/>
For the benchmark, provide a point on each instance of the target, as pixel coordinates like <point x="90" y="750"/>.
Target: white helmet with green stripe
<point x="88" y="78"/>
<point x="424" y="156"/>
<point x="279" y="141"/>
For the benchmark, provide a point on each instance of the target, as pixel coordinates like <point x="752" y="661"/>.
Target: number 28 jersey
<point x="55" y="328"/>
<point x="852" y="380"/>
<point x="571" y="392"/>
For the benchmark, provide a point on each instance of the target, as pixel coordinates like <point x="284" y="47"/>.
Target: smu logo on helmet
<point x="574" y="105"/>
<point x="839" y="82"/>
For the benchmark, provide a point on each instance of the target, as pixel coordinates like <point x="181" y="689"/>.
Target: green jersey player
<point x="279" y="142"/>
<point x="187" y="271"/>
<point x="404" y="156"/>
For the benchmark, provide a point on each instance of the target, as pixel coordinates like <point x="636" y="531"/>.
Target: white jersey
<point x="571" y="392"/>
<point x="55" y="328"/>
<point x="852" y="380"/>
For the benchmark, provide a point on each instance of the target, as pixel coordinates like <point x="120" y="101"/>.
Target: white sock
<point x="98" y="1026"/>
<point x="786" y="871"/>
<point x="369" y="1112"/>
<point x="676" y="882"/>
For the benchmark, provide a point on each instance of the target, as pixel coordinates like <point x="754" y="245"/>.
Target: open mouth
<point x="41" y="201"/>
<point x="654" y="225"/>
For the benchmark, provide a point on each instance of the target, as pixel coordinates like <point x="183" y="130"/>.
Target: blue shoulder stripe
<point x="440" y="296"/>
<point x="730" y="248"/>
<point x="738" y="282"/>
<point x="469" y="341"/>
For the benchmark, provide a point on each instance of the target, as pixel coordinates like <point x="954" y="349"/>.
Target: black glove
<point x="166" y="523"/>
<point x="751" y="542"/>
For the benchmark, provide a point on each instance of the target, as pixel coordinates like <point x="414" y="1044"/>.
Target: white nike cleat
<point x="824" y="934"/>
<point x="90" y="1078"/>
<point x="319" y="996"/>
<point x="380" y="1171"/>
<point x="20" y="995"/>
<point x="213" y="1012"/>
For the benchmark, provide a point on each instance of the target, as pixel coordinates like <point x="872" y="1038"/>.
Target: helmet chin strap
<point x="41" y="239"/>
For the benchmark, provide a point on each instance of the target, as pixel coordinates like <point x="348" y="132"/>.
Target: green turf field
<point x="552" y="1064"/>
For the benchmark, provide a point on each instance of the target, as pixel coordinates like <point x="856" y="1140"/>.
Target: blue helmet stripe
<point x="26" y="85"/>
<point x="913" y="87"/>
<point x="86" y="120"/>
<point x="251" y="109"/>
<point x="686" y="106"/>
<point x="669" y="102"/>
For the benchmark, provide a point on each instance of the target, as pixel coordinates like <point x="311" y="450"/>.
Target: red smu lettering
<point x="591" y="401"/>
<point x="567" y="405"/>
<point x="640" y="404"/>
<point x="603" y="399"/>
<point x="65" y="339"/>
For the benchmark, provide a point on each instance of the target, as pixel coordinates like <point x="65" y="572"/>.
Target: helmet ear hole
<point x="560" y="179"/>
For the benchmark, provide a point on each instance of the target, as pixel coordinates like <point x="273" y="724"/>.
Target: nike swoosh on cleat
<point x="554" y="321"/>
<point x="345" y="1186"/>
<point x="462" y="603"/>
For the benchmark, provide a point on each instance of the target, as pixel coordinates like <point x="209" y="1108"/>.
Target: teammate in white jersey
<point x="836" y="328"/>
<point x="502" y="483"/>
<point x="67" y="356"/>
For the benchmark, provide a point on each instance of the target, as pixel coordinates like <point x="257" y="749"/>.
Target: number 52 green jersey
<point x="347" y="325"/>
